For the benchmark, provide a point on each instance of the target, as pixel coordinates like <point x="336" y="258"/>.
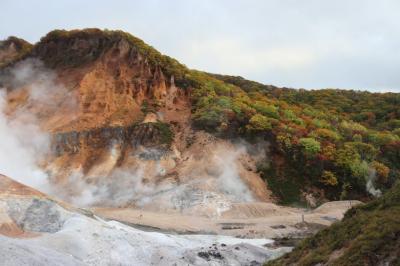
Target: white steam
<point x="22" y="146"/>
<point x="210" y="185"/>
<point x="41" y="85"/>
<point x="229" y="180"/>
<point x="370" y="183"/>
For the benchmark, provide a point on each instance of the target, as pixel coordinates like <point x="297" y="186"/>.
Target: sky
<point x="311" y="44"/>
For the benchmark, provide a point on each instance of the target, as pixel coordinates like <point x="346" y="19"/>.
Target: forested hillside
<point x="334" y="140"/>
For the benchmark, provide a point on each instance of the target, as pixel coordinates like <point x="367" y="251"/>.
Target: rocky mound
<point x="25" y="211"/>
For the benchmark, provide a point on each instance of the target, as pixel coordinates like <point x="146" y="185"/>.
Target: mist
<point x="371" y="177"/>
<point x="213" y="182"/>
<point x="24" y="145"/>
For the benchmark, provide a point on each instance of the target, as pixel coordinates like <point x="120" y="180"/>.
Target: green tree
<point x="328" y="178"/>
<point x="366" y="151"/>
<point x="259" y="122"/>
<point x="310" y="145"/>
<point x="266" y="109"/>
<point x="325" y="134"/>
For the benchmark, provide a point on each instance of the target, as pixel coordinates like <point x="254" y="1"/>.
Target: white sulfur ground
<point x="86" y="241"/>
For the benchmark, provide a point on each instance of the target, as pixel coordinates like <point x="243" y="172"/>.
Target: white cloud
<point x="233" y="55"/>
<point x="309" y="44"/>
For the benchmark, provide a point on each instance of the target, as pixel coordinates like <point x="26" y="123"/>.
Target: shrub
<point x="328" y="178"/>
<point x="365" y="150"/>
<point x="167" y="136"/>
<point x="310" y="146"/>
<point x="259" y="122"/>
<point x="325" y="134"/>
<point x="266" y="109"/>
<point x="382" y="171"/>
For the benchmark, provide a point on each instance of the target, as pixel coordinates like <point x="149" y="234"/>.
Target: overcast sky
<point x="302" y="44"/>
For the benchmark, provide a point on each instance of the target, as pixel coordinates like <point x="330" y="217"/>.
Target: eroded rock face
<point x="122" y="145"/>
<point x="107" y="76"/>
<point x="146" y="134"/>
<point x="114" y="77"/>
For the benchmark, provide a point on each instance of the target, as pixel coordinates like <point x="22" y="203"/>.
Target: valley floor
<point x="245" y="220"/>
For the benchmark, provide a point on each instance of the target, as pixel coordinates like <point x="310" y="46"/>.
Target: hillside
<point x="368" y="235"/>
<point x="328" y="144"/>
<point x="355" y="135"/>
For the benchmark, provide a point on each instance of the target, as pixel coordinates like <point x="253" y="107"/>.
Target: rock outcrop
<point x="13" y="49"/>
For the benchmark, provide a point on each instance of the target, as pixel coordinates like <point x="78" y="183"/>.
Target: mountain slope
<point x="368" y="235"/>
<point x="114" y="90"/>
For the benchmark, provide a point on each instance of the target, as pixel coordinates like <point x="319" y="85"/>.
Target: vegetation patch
<point x="166" y="134"/>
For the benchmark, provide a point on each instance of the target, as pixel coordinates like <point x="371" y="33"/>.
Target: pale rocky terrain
<point x="38" y="230"/>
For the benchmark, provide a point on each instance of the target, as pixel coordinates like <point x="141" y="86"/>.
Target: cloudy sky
<point x="302" y="44"/>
